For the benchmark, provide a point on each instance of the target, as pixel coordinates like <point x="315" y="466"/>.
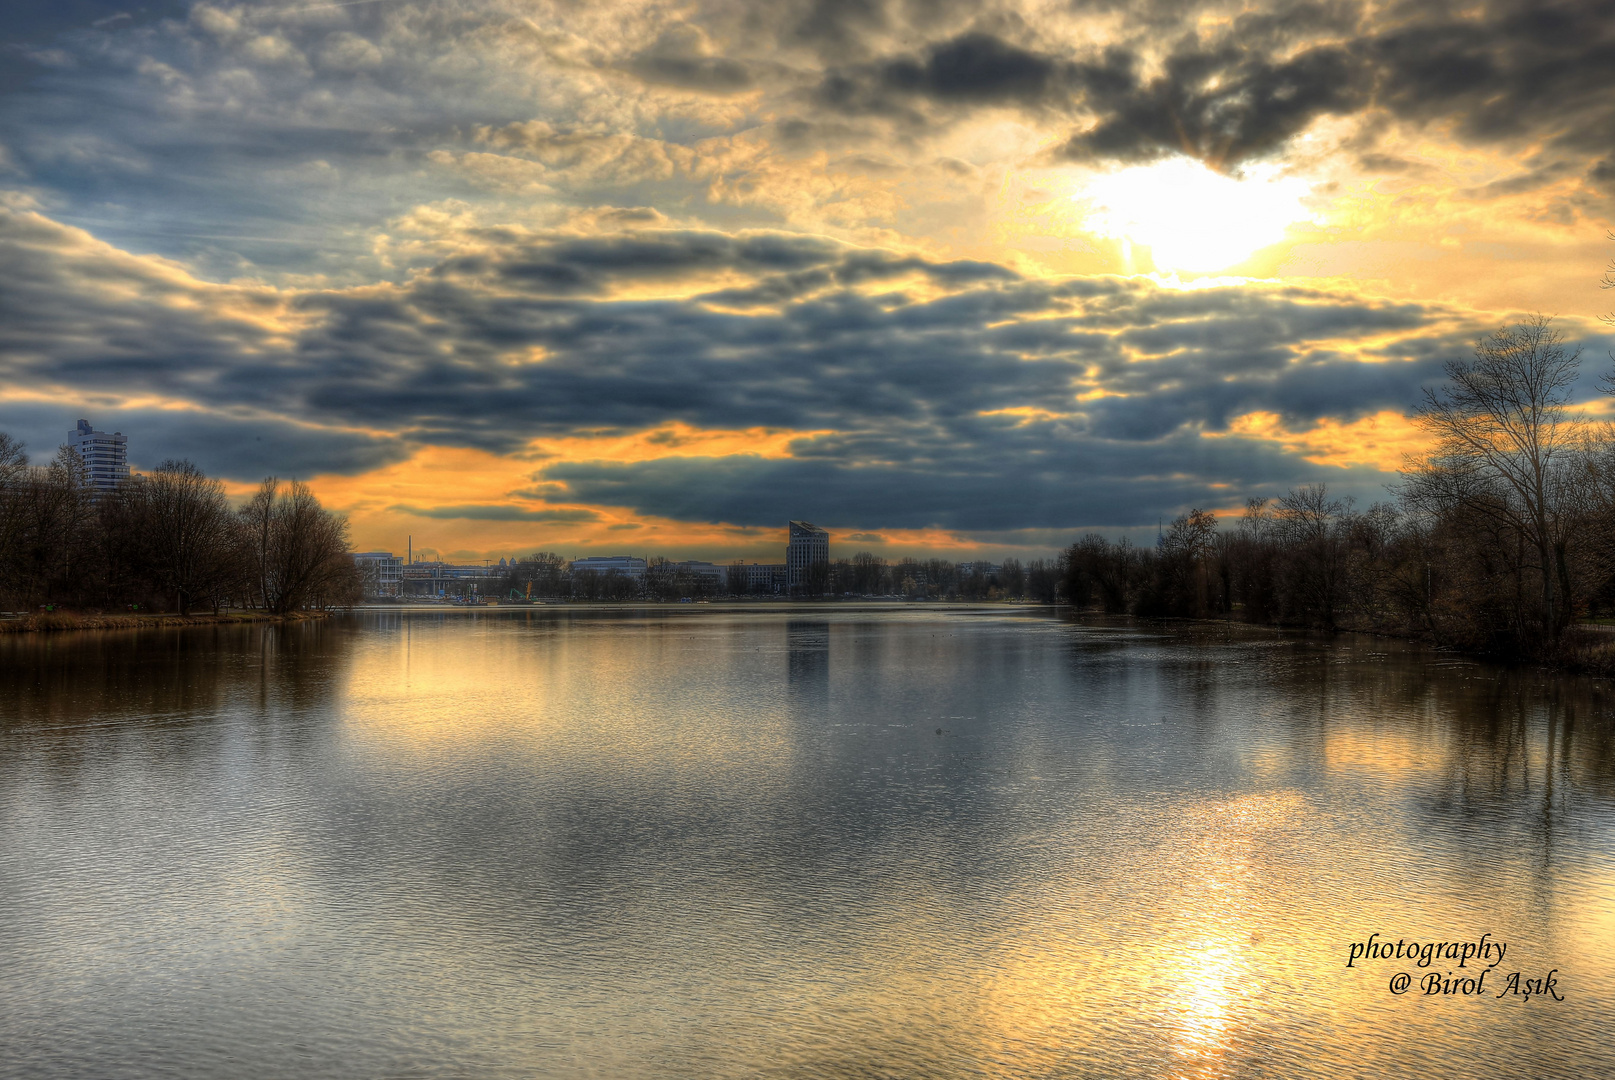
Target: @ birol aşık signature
<point x="1451" y="968"/>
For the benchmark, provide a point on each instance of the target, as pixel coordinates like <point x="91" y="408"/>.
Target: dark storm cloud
<point x="1221" y="106"/>
<point x="1023" y="478"/>
<point x="973" y="69"/>
<point x="1507" y="72"/>
<point x="992" y="402"/>
<point x="783" y="267"/>
<point x="1521" y="70"/>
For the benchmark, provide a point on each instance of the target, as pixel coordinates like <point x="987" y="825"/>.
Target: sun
<point x="1192" y="218"/>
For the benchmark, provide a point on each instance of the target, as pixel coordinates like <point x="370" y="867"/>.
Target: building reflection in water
<point x="807" y="662"/>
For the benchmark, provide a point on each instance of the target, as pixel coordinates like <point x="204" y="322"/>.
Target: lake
<point x="794" y="842"/>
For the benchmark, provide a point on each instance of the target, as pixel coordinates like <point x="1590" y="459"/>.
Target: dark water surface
<point x="723" y="843"/>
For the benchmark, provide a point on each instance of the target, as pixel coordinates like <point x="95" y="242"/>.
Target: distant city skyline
<point x="803" y="544"/>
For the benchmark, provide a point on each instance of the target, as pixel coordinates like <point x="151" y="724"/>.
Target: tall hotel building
<point x="808" y="544"/>
<point x="106" y="456"/>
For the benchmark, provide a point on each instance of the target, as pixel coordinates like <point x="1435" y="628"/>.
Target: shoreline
<point x="1578" y="652"/>
<point x="51" y="621"/>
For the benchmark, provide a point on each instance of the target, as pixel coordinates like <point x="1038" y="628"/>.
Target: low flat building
<point x="626" y="565"/>
<point x="765" y="578"/>
<point x="442" y="571"/>
<point x="710" y="573"/>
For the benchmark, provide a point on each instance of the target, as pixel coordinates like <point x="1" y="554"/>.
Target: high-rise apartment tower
<point x="106" y="456"/>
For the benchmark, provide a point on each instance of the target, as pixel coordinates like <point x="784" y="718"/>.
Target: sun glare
<point x="1191" y="217"/>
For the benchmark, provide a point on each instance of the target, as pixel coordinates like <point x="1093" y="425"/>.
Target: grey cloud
<point x="834" y="26"/>
<point x="235" y="448"/>
<point x="246" y="449"/>
<point x="31" y="27"/>
<point x="681" y="57"/>
<point x="483" y="352"/>
<point x="1025" y="481"/>
<point x="585" y="266"/>
<point x="427" y="360"/>
<point x="178" y="137"/>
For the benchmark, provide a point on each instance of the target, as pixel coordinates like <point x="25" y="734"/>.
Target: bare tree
<point x="661" y="578"/>
<point x="189" y="527"/>
<point x="13" y="519"/>
<point x="868" y="573"/>
<point x="1314" y="530"/>
<point x="1013" y="577"/>
<point x="13" y="460"/>
<point x="1503" y="442"/>
<point x="1608" y="282"/>
<point x="52" y="512"/>
<point x="257" y="524"/>
<point x="297" y="550"/>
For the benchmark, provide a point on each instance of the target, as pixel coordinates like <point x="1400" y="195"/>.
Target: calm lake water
<point x="805" y="843"/>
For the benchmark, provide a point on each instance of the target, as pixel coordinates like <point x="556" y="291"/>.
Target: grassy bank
<point x="69" y="620"/>
<point x="1586" y="649"/>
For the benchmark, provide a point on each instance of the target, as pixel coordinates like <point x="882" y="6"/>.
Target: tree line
<point x="547" y="575"/>
<point x="1499" y="540"/>
<point x="167" y="540"/>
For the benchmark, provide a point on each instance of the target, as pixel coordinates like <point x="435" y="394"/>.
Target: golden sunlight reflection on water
<point x="828" y="843"/>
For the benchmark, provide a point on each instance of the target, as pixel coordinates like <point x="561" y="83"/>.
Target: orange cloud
<point x="1383" y="440"/>
<point x="465" y="503"/>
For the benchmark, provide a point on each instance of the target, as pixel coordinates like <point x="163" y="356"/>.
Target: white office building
<point x="807" y="546"/>
<point x="106" y="455"/>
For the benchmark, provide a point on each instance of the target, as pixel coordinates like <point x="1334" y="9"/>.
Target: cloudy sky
<point x="943" y="277"/>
